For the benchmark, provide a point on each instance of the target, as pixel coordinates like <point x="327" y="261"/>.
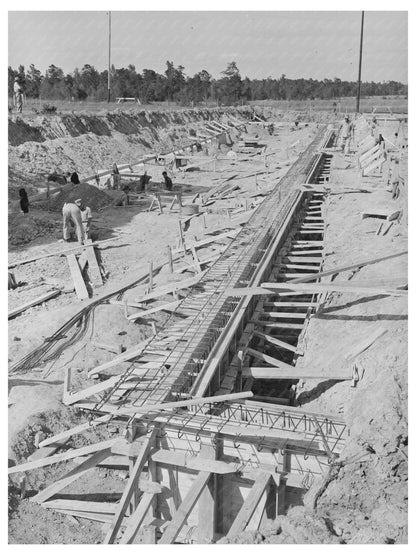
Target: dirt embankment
<point x="62" y="143"/>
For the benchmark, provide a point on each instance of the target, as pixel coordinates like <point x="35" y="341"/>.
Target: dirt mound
<point x="25" y="228"/>
<point x="92" y="197"/>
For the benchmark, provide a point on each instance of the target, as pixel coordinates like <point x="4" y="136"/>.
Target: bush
<point x="48" y="109"/>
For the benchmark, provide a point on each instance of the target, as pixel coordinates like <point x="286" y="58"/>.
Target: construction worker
<point x="74" y="178"/>
<point x="116" y="177"/>
<point x="168" y="181"/>
<point x="395" y="178"/>
<point x="346" y="132"/>
<point x="86" y="217"/>
<point x="24" y="201"/>
<point x="72" y="215"/>
<point x="18" y="95"/>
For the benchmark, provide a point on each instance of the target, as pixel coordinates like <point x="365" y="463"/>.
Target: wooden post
<point x="281" y="490"/>
<point x="159" y="202"/>
<point x="207" y="507"/>
<point x="135" y="496"/>
<point x="181" y="238"/>
<point x="148" y="535"/>
<point x="170" y="260"/>
<point x="67" y="383"/>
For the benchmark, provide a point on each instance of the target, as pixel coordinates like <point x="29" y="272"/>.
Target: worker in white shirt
<point x="18" y="95"/>
<point x="72" y="215"/>
<point x="86" y="217"/>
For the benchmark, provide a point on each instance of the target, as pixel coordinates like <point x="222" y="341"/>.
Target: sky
<point x="318" y="45"/>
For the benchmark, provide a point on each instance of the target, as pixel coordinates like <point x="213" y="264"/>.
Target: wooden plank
<point x="285" y="315"/>
<point x="74" y="474"/>
<point x="181" y="459"/>
<point x="144" y="409"/>
<point x="82" y="506"/>
<point x="249" y="505"/>
<point x="76" y="430"/>
<point x="93" y="268"/>
<point x="72" y="454"/>
<point x="77" y="278"/>
<point x="196" y="260"/>
<point x="290" y="304"/>
<point x="98" y="517"/>
<point x="170" y="288"/>
<point x="302" y="266"/>
<point x="315" y="259"/>
<point x="72" y="398"/>
<point x="270" y="360"/>
<point x="274" y="341"/>
<point x="172" y="531"/>
<point x="136" y="519"/>
<point x="208" y="504"/>
<point x="347" y="268"/>
<point x="130" y="354"/>
<point x="46" y="451"/>
<point x="170" y="307"/>
<point x="283" y="325"/>
<point x="130" y="487"/>
<point x="41" y="299"/>
<point x="59" y="253"/>
<point x="366" y="343"/>
<point x="331" y="286"/>
<point x="209" y="240"/>
<point x="268" y="373"/>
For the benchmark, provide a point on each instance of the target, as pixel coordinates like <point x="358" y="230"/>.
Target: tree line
<point x="175" y="86"/>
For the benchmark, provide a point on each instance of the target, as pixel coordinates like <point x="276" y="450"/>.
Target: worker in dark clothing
<point x="24" y="201"/>
<point x="75" y="178"/>
<point x="143" y="181"/>
<point x="168" y="181"/>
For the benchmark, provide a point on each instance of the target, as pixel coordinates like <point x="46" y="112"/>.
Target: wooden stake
<point x="170" y="260"/>
<point x="131" y="486"/>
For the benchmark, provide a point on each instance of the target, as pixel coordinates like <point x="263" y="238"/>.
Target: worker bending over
<point x="72" y="214"/>
<point x="86" y="217"/>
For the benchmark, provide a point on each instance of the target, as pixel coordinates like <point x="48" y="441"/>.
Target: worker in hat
<point x="395" y="178"/>
<point x="71" y="213"/>
<point x="346" y="132"/>
<point x="86" y="217"/>
<point x="18" y="95"/>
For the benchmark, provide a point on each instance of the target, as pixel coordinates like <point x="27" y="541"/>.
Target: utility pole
<point x="109" y="57"/>
<point x="359" y="64"/>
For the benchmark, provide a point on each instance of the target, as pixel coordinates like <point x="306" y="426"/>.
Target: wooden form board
<point x="249" y="505"/>
<point x="41" y="299"/>
<point x="130" y="487"/>
<point x="93" y="268"/>
<point x="185" y="508"/>
<point x="77" y="278"/>
<point x="71" y="454"/>
<point x="59" y="253"/>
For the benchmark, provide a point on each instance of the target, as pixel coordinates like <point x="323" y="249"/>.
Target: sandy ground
<point x="140" y="236"/>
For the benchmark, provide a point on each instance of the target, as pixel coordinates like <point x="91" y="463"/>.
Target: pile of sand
<point x="25" y="228"/>
<point x="92" y="196"/>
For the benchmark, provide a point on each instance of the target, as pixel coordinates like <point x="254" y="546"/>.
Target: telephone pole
<point x="109" y="58"/>
<point x="359" y="64"/>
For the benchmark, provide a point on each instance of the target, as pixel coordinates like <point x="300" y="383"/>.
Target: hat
<point x="78" y="201"/>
